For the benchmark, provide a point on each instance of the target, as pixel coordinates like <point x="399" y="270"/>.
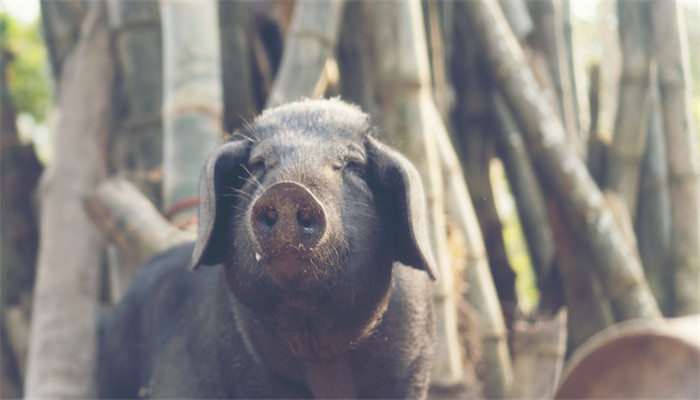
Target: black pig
<point x="321" y="286"/>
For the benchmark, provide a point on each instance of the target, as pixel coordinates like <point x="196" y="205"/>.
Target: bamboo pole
<point x="627" y="147"/>
<point x="311" y="40"/>
<point x="192" y="97"/>
<point x="681" y="149"/>
<point x="518" y="17"/>
<point x="137" y="137"/>
<point x="653" y="222"/>
<point x="403" y="84"/>
<point x="412" y="120"/>
<point x="237" y="74"/>
<point x="133" y="225"/>
<point x="481" y="292"/>
<point x="597" y="149"/>
<point x="549" y="39"/>
<point x="562" y="170"/>
<point x="355" y="56"/>
<point x="473" y="120"/>
<point x="553" y="255"/>
<point x="63" y="339"/>
<point x="530" y="201"/>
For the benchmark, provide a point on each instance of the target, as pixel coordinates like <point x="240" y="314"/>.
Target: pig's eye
<point x="355" y="166"/>
<point x="256" y="169"/>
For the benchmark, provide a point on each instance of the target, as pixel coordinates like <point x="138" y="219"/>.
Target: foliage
<point x="28" y="78"/>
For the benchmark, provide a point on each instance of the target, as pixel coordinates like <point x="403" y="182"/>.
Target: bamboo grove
<point x="146" y="89"/>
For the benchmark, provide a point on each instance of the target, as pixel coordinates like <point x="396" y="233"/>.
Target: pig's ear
<point x="396" y="183"/>
<point x="224" y="169"/>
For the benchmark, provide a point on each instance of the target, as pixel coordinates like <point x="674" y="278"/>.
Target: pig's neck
<point x="330" y="331"/>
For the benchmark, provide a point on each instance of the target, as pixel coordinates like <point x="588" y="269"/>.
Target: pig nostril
<point x="269" y="218"/>
<point x="307" y="222"/>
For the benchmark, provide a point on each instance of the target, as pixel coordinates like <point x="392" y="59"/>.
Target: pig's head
<point x="310" y="209"/>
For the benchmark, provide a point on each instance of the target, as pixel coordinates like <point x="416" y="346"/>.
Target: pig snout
<point x="287" y="220"/>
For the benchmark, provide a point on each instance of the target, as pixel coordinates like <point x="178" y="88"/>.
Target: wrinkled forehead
<point x="322" y="120"/>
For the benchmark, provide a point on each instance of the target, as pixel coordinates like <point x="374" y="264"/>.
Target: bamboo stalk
<point x="597" y="151"/>
<point x="63" y="339"/>
<point x="568" y="43"/>
<point x="481" y="292"/>
<point x="549" y="39"/>
<point x="133" y="224"/>
<point x="137" y="137"/>
<point x="530" y="201"/>
<point x="403" y="85"/>
<point x="192" y="97"/>
<point x="582" y="203"/>
<point x="627" y="147"/>
<point x="518" y="17"/>
<point x="681" y="149"/>
<point x="653" y="222"/>
<point x="473" y="121"/>
<point x="355" y="56"/>
<point x="311" y="41"/>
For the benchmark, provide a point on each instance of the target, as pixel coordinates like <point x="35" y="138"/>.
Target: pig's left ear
<point x="396" y="183"/>
<point x="224" y="169"/>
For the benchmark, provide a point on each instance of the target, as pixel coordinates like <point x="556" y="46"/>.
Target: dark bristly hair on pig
<point x="312" y="273"/>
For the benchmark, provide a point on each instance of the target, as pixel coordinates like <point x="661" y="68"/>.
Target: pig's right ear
<point x="398" y="185"/>
<point x="223" y="170"/>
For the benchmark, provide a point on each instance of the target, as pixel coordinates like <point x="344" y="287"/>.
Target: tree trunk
<point x="192" y="99"/>
<point x="62" y="353"/>
<point x="582" y="203"/>
<point x="137" y="137"/>
<point x="681" y="149"/>
<point x="627" y="147"/>
<point x="311" y="41"/>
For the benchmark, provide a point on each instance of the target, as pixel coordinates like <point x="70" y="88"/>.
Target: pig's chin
<point x="291" y="271"/>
